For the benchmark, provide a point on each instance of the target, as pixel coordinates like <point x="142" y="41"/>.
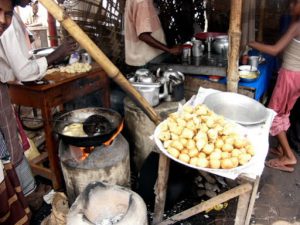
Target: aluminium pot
<point x="79" y="116"/>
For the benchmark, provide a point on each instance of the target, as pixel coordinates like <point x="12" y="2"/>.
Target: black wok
<point x="79" y="116"/>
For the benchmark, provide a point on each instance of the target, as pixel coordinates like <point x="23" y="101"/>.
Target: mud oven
<point x="108" y="162"/>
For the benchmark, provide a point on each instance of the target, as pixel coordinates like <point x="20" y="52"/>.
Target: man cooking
<point x="15" y="64"/>
<point x="144" y="36"/>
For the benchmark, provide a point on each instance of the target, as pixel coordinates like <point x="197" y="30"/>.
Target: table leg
<point x="252" y="200"/>
<point x="105" y="95"/>
<point x="242" y="208"/>
<point x="161" y="188"/>
<point x="51" y="148"/>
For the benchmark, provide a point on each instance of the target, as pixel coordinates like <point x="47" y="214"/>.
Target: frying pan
<point x="79" y="116"/>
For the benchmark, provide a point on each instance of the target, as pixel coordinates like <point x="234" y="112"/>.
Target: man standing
<point x="15" y="64"/>
<point x="144" y="36"/>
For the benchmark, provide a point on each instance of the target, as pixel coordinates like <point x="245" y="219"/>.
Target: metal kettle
<point x="144" y="76"/>
<point x="174" y="81"/>
<point x="149" y="86"/>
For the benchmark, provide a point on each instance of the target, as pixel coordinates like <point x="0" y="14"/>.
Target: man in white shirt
<point x="15" y="64"/>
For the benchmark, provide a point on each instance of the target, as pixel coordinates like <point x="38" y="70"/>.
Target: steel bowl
<point x="248" y="76"/>
<point x="238" y="108"/>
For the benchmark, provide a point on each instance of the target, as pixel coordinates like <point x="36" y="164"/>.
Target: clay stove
<point x="84" y="165"/>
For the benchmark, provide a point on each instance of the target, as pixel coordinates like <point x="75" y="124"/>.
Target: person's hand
<point x="67" y="47"/>
<point x="176" y="50"/>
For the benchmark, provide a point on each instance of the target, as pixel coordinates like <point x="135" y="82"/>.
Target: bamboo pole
<point x="232" y="193"/>
<point x="112" y="71"/>
<point x="234" y="43"/>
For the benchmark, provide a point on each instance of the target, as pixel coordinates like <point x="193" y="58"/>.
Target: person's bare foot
<point x="278" y="166"/>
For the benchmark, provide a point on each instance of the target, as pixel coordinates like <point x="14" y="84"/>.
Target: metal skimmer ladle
<point x="96" y="124"/>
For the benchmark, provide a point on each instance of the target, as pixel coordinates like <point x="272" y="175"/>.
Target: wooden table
<point x="62" y="88"/>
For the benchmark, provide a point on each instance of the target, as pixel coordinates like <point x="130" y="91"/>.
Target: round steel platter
<point x="236" y="107"/>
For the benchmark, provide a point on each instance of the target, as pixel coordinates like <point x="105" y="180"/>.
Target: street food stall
<point x="246" y="191"/>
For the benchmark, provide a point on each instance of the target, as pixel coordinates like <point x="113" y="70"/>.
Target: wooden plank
<point x="232" y="193"/>
<point x="42" y="171"/>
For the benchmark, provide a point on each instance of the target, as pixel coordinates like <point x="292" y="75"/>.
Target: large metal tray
<point x="236" y="107"/>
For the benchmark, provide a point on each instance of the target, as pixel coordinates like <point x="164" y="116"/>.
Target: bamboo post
<point x="112" y="71"/>
<point x="252" y="20"/>
<point x="232" y="193"/>
<point x="234" y="43"/>
<point x="261" y="20"/>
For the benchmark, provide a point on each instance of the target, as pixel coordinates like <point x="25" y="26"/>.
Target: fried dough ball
<point x="197" y="122"/>
<point x="239" y="142"/>
<point x="167" y="143"/>
<point x="210" y="122"/>
<point x="164" y="136"/>
<point x="236" y="152"/>
<point x="181" y="122"/>
<point x="203" y="162"/>
<point x="212" y="134"/>
<point x="188" y="108"/>
<point x="201" y="110"/>
<point x="194" y="161"/>
<point x="200" y="144"/>
<point x="250" y="150"/>
<point x="244" y="158"/>
<point x="193" y="152"/>
<point x="191" y="144"/>
<point x="227" y="164"/>
<point x="203" y="127"/>
<point x="174" y="136"/>
<point x="235" y="161"/>
<point x="201" y="135"/>
<point x="177" y="144"/>
<point x="215" y="155"/>
<point x="183" y="141"/>
<point x="190" y="125"/>
<point x="208" y="148"/>
<point x="227" y="147"/>
<point x="184" y="157"/>
<point x="201" y="155"/>
<point x="215" y="163"/>
<point x="225" y="155"/>
<point x="187" y="133"/>
<point x="187" y="116"/>
<point x="164" y="126"/>
<point x="219" y="143"/>
<point x="174" y="116"/>
<point x="173" y="152"/>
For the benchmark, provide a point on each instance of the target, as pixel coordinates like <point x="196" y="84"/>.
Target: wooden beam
<point x="232" y="193"/>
